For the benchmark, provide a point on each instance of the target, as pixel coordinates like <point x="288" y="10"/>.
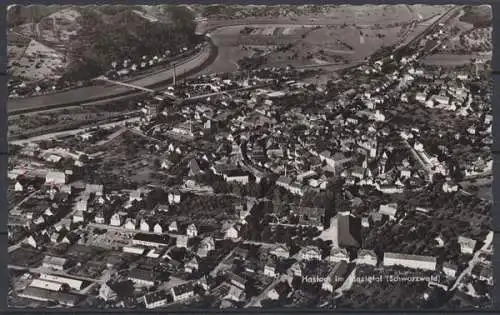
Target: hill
<point x="92" y="37"/>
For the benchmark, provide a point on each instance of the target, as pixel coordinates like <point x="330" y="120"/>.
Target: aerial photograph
<point x="220" y="156"/>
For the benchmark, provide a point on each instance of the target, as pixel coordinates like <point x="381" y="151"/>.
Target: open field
<point x="332" y="43"/>
<point x="226" y="15"/>
<point x="127" y="157"/>
<point x="38" y="62"/>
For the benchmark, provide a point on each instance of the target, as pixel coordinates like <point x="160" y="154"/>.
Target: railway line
<point x="157" y="81"/>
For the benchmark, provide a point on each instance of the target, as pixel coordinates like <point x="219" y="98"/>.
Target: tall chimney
<point x="174" y="76"/>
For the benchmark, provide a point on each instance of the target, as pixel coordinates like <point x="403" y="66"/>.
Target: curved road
<point x="105" y="92"/>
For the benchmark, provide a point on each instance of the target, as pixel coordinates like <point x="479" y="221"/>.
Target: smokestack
<point x="174" y="76"/>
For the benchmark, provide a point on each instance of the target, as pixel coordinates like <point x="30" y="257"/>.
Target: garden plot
<point x="39" y="62"/>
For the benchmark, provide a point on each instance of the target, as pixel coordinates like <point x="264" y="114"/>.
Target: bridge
<point x="158" y="95"/>
<point x="132" y="86"/>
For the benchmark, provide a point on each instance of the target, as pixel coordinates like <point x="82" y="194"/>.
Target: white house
<point x="18" y="187"/>
<point x="235" y="293"/>
<point x="78" y="217"/>
<point x="191" y="266"/>
<point x="55" y="178"/>
<point x="231" y="233"/>
<point x="144" y="226"/>
<point x="116" y="220"/>
<point x="56" y="263"/>
<point x="206" y="246"/>
<point x="174" y="197"/>
<point x="338" y="254"/>
<point x="270" y="270"/>
<point x="136" y="195"/>
<point x="192" y="231"/>
<point x="130" y="224"/>
<point x="389" y="210"/>
<point x="280" y="251"/>
<point x="47" y="285"/>
<point x="81" y="205"/>
<point x="309" y="253"/>
<point x="173" y="227"/>
<point x="134" y="250"/>
<point x="182" y="241"/>
<point x="158" y="228"/>
<point x="467" y="245"/>
<point x="238" y="176"/>
<point x="99" y="218"/>
<point x="182" y="292"/>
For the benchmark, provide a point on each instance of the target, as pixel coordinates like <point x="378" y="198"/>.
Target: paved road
<point x="475" y="259"/>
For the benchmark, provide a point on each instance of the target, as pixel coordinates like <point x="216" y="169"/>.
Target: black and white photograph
<point x="177" y="157"/>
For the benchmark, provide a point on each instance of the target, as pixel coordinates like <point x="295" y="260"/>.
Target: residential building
<point x="235" y="293"/>
<point x="48" y="285"/>
<point x="467" y="245"/>
<point x="55" y="178"/>
<point x="338" y="254"/>
<point x="270" y="270"/>
<point x="192" y="231"/>
<point x="182" y="241"/>
<point x="206" y="246"/>
<point x="116" y="220"/>
<point x="44" y="295"/>
<point x="410" y="261"/>
<point x="144" y="226"/>
<point x="74" y="284"/>
<point x="389" y="210"/>
<point x="151" y="240"/>
<point x="309" y="253"/>
<point x="173" y="227"/>
<point x="280" y="251"/>
<point x="18" y="187"/>
<point x="366" y="257"/>
<point x="231" y="233"/>
<point x="158" y="228"/>
<point x="182" y="292"/>
<point x="155" y="299"/>
<point x="130" y="224"/>
<point x="191" y="266"/>
<point x="142" y="277"/>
